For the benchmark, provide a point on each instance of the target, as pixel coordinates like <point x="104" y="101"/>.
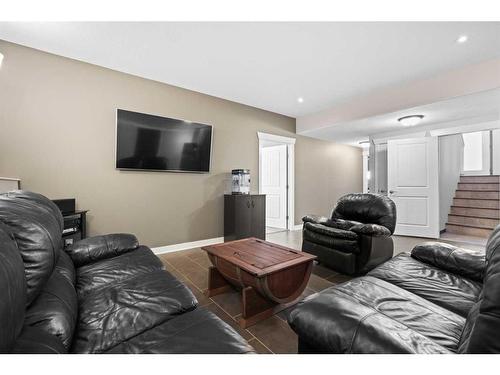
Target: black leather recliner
<point x="107" y="294"/>
<point x="356" y="238"/>
<point x="438" y="299"/>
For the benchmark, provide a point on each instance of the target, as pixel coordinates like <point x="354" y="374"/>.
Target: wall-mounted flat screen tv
<point x="148" y="142"/>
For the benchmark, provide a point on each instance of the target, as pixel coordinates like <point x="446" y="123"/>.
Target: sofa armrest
<point x="453" y="259"/>
<point x="316" y="219"/>
<point x="373" y="230"/>
<point x="96" y="248"/>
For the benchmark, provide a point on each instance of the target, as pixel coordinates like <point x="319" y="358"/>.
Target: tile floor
<point x="272" y="335"/>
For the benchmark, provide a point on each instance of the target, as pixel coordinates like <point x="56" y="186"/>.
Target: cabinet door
<point x="259" y="216"/>
<point x="243" y="217"/>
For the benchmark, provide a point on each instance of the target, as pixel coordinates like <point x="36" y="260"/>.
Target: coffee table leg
<point x="255" y="307"/>
<point x="216" y="283"/>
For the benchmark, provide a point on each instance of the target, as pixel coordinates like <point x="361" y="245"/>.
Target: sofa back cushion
<point x="12" y="289"/>
<point x="36" y="224"/>
<point x="482" y="327"/>
<point x="367" y="209"/>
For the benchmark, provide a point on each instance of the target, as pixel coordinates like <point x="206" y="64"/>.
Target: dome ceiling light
<point x="411" y="120"/>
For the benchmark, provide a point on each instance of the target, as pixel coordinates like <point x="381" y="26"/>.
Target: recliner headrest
<point x="368" y="209"/>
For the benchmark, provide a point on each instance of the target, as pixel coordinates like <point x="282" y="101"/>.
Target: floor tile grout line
<point x="264" y="345"/>
<point x="246" y="330"/>
<point x="184" y="275"/>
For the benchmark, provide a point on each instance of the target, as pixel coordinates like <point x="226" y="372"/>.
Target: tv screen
<point x="147" y="142"/>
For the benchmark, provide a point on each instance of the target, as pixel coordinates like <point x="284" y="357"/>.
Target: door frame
<point x="290" y="147"/>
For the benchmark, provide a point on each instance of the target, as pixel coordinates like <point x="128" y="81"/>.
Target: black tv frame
<point x="162" y="170"/>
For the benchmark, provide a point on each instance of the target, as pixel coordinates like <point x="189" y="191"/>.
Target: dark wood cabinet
<point x="244" y="216"/>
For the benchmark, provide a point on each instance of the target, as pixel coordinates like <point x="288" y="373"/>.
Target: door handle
<point x="248" y="204"/>
<point x="253" y="204"/>
<point x="392" y="191"/>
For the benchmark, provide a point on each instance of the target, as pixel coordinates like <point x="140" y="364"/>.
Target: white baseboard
<point x="187" y="245"/>
<point x="298" y="227"/>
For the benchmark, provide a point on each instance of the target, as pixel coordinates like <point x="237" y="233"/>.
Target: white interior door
<point x="413" y="183"/>
<point x="274" y="185"/>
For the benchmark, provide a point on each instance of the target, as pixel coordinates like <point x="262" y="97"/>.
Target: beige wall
<point x="57" y="133"/>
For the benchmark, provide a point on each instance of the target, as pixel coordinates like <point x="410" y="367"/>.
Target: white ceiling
<point x="464" y="110"/>
<point x="269" y="65"/>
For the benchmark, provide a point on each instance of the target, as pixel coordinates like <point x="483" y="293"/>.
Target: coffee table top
<point x="258" y="257"/>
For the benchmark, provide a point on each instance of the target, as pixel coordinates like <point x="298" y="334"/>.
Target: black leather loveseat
<point x="107" y="294"/>
<point x="439" y="299"/>
<point x="357" y="236"/>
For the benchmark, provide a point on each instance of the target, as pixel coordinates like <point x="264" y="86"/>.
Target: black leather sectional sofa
<point x="107" y="294"/>
<point x="438" y="299"/>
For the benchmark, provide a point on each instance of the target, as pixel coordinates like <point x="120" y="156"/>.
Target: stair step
<point x="475" y="212"/>
<point x="477" y="194"/>
<point x="480" y="186"/>
<point x="476" y="203"/>
<point x="480" y="179"/>
<point x="468" y="230"/>
<point x="473" y="221"/>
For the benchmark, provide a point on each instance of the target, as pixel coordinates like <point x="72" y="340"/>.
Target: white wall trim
<point x="187" y="245"/>
<point x="275" y="138"/>
<point x="290" y="143"/>
<point x="298" y="227"/>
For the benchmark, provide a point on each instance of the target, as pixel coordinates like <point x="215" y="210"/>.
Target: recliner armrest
<point x="373" y="230"/>
<point x="331" y="231"/>
<point x="460" y="261"/>
<point x="96" y="248"/>
<point x="316" y="219"/>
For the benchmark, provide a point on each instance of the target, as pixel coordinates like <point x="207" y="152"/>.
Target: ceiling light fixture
<point x="411" y="120"/>
<point x="300" y="99"/>
<point x="462" y="39"/>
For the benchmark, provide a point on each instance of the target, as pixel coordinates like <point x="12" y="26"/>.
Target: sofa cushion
<point x="55" y="309"/>
<point x="368" y="315"/>
<point x="195" y="332"/>
<point x="109" y="271"/>
<point x="36" y="224"/>
<point x="127" y="307"/>
<point x="12" y="289"/>
<point x="445" y="289"/>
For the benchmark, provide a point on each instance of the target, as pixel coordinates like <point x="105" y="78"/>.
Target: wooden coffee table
<point x="271" y="277"/>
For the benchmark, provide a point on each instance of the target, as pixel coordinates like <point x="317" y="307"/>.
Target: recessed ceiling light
<point x="300" y="99"/>
<point x="462" y="39"/>
<point x="411" y="120"/>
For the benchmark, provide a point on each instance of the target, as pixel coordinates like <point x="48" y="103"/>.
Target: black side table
<point x="75" y="226"/>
